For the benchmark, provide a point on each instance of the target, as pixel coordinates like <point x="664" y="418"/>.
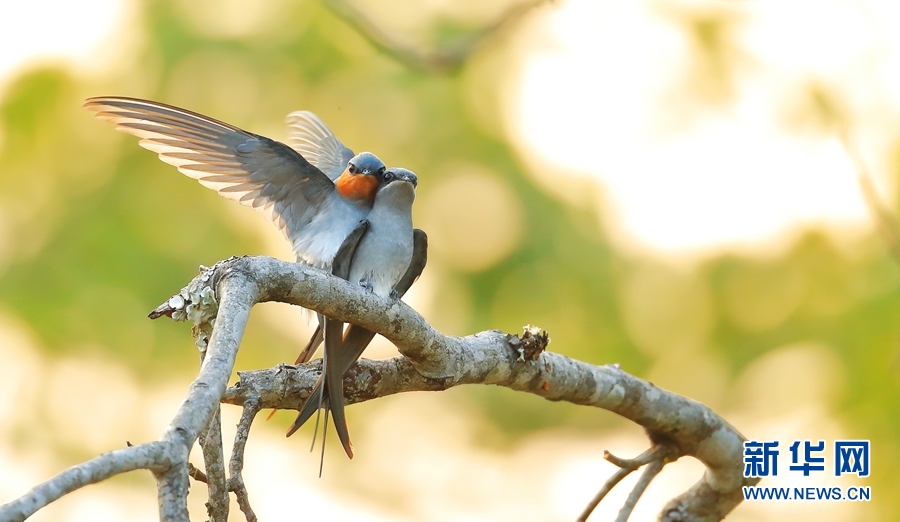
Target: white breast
<point x="318" y="242"/>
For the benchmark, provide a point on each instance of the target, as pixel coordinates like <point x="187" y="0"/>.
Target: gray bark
<point x="430" y="361"/>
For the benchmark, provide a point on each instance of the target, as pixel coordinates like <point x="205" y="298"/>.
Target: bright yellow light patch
<point x="699" y="120"/>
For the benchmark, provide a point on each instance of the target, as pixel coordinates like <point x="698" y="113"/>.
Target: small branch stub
<point x="196" y="302"/>
<point x="531" y="344"/>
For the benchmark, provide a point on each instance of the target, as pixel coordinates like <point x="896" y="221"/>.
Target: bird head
<point x="361" y="178"/>
<point x="394" y="174"/>
<point x="399" y="186"/>
<point x="366" y="164"/>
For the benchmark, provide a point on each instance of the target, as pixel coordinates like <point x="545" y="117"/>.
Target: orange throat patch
<point x="359" y="186"/>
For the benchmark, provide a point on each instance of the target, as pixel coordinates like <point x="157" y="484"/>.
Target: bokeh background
<point x="658" y="184"/>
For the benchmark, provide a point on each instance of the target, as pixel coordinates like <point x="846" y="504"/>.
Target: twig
<point x="197" y="474"/>
<point x="884" y="218"/>
<point x="644" y="458"/>
<point x="235" y="482"/>
<point x="625" y="468"/>
<point x="211" y="443"/>
<point x="152" y="456"/>
<point x="660" y="453"/>
<point x="607" y="487"/>
<point x="649" y="473"/>
<point x="236" y="465"/>
<point x="447" y="59"/>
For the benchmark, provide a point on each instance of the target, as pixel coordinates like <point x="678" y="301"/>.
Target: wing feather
<point x="254" y="170"/>
<point x="309" y="136"/>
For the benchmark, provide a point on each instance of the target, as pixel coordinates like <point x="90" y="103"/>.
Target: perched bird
<point x="311" y="137"/>
<point x="315" y="212"/>
<point x="316" y="191"/>
<point x="384" y="256"/>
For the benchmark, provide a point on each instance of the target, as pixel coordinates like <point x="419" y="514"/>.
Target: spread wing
<point x="309" y="136"/>
<point x="253" y="170"/>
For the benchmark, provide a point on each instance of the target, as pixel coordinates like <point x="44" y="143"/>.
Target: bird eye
<point x="352" y="168"/>
<point x="389" y="175"/>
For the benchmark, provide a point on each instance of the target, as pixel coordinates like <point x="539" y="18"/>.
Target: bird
<point x="316" y="191"/>
<point x="312" y="138"/>
<point x="384" y="256"/>
<point x="315" y="211"/>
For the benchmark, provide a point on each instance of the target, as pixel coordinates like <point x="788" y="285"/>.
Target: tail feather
<point x="324" y="434"/>
<point x="334" y="381"/>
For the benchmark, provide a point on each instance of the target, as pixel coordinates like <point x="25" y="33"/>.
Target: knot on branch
<point x="196" y="302"/>
<point x="531" y="344"/>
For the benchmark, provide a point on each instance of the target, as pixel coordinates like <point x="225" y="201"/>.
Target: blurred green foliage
<point x="99" y="232"/>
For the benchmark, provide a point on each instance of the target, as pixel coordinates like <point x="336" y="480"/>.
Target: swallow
<point x="315" y="211"/>
<point x="314" y="140"/>
<point x="384" y="256"/>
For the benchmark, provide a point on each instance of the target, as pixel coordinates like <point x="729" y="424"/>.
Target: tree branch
<point x="211" y="442"/>
<point x="430" y="361"/>
<point x="167" y="458"/>
<point x="448" y="58"/>
<point x="213" y="459"/>
<point x="153" y="456"/>
<point x="651" y="471"/>
<point x="626" y="466"/>
<point x="885" y="220"/>
<point x="236" y="466"/>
